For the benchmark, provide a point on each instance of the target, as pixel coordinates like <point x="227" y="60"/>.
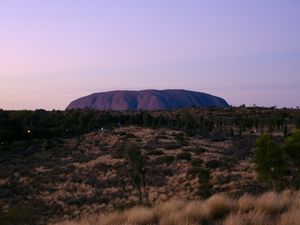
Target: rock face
<point x="147" y="100"/>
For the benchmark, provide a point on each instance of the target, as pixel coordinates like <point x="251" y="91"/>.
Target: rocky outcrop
<point x="147" y="100"/>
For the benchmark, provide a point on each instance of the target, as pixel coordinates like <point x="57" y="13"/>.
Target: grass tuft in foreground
<point x="268" y="209"/>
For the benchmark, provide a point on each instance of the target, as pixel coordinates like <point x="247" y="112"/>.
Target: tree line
<point x="42" y="124"/>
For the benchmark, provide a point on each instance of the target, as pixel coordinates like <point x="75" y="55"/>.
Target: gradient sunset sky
<point x="54" y="51"/>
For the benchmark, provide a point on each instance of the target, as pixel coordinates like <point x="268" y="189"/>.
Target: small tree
<point x="291" y="149"/>
<point x="269" y="162"/>
<point x="136" y="168"/>
<point x="297" y="122"/>
<point x="204" y="184"/>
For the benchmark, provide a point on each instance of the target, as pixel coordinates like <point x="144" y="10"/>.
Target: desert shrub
<point x="85" y="158"/>
<point x="192" y="172"/>
<point x="196" y="162"/>
<point x="115" y="218"/>
<point x="179" y="137"/>
<point x="121" y="133"/>
<point x="155" y="152"/>
<point x="139" y="216"/>
<point x="213" y="164"/>
<point x="219" y="206"/>
<point x="184" y="156"/>
<point x="191" y="132"/>
<point x="257" y="218"/>
<point x="219" y="209"/>
<point x="17" y="216"/>
<point x="129" y="205"/>
<point x="271" y="203"/>
<point x="291" y="153"/>
<point x="20" y="146"/>
<point x="172" y="219"/>
<point x="117" y="151"/>
<point x="204" y="184"/>
<point x="218" y="138"/>
<point x="136" y="168"/>
<point x="195" y="212"/>
<point x="171" y="146"/>
<point x="4" y="147"/>
<point x="191" y="214"/>
<point x="93" y="181"/>
<point x="162" y="137"/>
<point x="166" y="208"/>
<point x="139" y="140"/>
<point x="269" y="162"/>
<point x="167" y="172"/>
<point x="246" y="203"/>
<point x="291" y="217"/>
<point x="152" y="144"/>
<point x="164" y="159"/>
<point x="198" y="150"/>
<point x="278" y="166"/>
<point x="234" y="219"/>
<point x="130" y="135"/>
<point x="80" y="201"/>
<point x="103" y="167"/>
<point x="251" y="218"/>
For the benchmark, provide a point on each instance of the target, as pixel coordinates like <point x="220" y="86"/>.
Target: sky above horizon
<point x="54" y="51"/>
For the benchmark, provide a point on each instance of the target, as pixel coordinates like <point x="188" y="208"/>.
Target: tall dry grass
<point x="268" y="209"/>
<point x="250" y="218"/>
<point x="271" y="203"/>
<point x="219" y="206"/>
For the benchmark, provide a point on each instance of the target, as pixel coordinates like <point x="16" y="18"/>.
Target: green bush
<point x="17" y="216"/>
<point x="278" y="165"/>
<point x="156" y="152"/>
<point x="199" y="150"/>
<point x="291" y="151"/>
<point x="213" y="164"/>
<point x="196" y="162"/>
<point x="180" y="137"/>
<point x="171" y="146"/>
<point x="205" y="188"/>
<point x="184" y="156"/>
<point x="164" y="159"/>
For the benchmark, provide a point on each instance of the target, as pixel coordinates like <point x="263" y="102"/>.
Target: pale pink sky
<point x="54" y="51"/>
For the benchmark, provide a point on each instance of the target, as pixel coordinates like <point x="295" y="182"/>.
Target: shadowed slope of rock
<point x="147" y="100"/>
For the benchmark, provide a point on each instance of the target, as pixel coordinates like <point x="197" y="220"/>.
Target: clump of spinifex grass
<point x="268" y="209"/>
